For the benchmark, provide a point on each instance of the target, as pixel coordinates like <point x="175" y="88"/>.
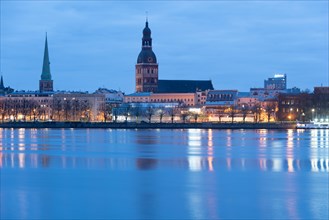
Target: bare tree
<point x="137" y="112"/>
<point x="115" y="113"/>
<point x="75" y="108"/>
<point x="126" y="112"/>
<point x="85" y="109"/>
<point x="244" y="110"/>
<point x="57" y="107"/>
<point x="195" y="116"/>
<point x="220" y="115"/>
<point x="24" y="108"/>
<point x="4" y="108"/>
<point x="161" y="113"/>
<point x="150" y="112"/>
<point x="256" y="110"/>
<point x="172" y="113"/>
<point x="67" y="109"/>
<point x="232" y="112"/>
<point x="184" y="116"/>
<point x="270" y="109"/>
<point x="105" y="109"/>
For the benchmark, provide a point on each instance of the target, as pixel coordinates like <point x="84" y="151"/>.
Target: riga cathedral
<point x="147" y="66"/>
<point x="147" y="73"/>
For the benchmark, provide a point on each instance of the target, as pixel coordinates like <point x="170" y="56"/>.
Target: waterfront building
<point x="278" y="82"/>
<point x="264" y="94"/>
<point x="27" y="106"/>
<point x="112" y="97"/>
<point x="184" y="99"/>
<point x="78" y="106"/>
<point x="248" y="102"/>
<point x="221" y="98"/>
<point x="292" y="107"/>
<point x="46" y="83"/>
<point x="321" y="103"/>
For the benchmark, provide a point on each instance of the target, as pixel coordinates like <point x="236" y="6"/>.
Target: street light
<point x="313" y="110"/>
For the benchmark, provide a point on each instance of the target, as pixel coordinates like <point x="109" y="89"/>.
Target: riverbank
<point x="133" y="125"/>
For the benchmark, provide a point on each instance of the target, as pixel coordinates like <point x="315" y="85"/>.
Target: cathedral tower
<point x="46" y="83"/>
<point x="146" y="71"/>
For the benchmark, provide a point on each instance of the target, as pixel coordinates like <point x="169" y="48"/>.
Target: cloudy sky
<point x="236" y="44"/>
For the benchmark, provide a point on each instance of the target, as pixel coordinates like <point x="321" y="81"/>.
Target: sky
<point x="236" y="44"/>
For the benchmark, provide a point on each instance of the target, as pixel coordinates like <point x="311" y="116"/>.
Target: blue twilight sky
<point x="236" y="44"/>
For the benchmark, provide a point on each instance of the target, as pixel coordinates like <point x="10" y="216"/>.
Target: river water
<point x="164" y="174"/>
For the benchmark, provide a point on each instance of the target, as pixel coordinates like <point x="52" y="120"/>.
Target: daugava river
<point x="164" y="174"/>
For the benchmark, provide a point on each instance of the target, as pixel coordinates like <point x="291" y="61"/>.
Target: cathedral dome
<point x="146" y="56"/>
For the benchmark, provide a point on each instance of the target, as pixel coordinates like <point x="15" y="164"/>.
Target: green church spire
<point x="46" y="64"/>
<point x="1" y="83"/>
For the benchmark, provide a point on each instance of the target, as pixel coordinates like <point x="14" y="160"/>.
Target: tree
<point x="115" y="113"/>
<point x="244" y="110"/>
<point x="24" y="108"/>
<point x="195" y="116"/>
<point x="150" y="112"/>
<point x="75" y="108"/>
<point x="220" y="115"/>
<point x="184" y="116"/>
<point x="85" y="109"/>
<point x="172" y="113"/>
<point x="256" y="110"/>
<point x="126" y="112"/>
<point x="161" y="113"/>
<point x="270" y="109"/>
<point x="137" y="111"/>
<point x="67" y="108"/>
<point x="232" y="112"/>
<point x="57" y="107"/>
<point x="105" y="110"/>
<point x="4" y="108"/>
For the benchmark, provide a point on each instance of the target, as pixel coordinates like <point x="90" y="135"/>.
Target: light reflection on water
<point x="196" y="150"/>
<point x="208" y="174"/>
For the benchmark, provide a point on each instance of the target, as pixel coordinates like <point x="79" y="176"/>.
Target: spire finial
<point x="146" y="13"/>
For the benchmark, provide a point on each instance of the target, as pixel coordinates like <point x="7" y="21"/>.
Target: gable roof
<point x="183" y="86"/>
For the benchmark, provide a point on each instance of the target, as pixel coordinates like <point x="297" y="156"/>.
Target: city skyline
<point x="251" y="46"/>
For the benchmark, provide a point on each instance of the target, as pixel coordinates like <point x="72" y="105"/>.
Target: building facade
<point x="278" y="82"/>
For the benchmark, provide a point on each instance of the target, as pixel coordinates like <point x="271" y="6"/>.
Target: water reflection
<point x="146" y="150"/>
<point x="210" y="151"/>
<point x="195" y="150"/>
<point x="195" y="163"/>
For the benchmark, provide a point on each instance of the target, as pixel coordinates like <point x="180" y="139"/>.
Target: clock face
<point x="150" y="59"/>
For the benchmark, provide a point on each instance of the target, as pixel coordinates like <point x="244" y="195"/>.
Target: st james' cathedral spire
<point x="46" y="64"/>
<point x="46" y="83"/>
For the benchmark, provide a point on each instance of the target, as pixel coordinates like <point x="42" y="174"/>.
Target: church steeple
<point x="46" y="84"/>
<point x="147" y="40"/>
<point x="46" y="64"/>
<point x="146" y="69"/>
<point x="1" y="84"/>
